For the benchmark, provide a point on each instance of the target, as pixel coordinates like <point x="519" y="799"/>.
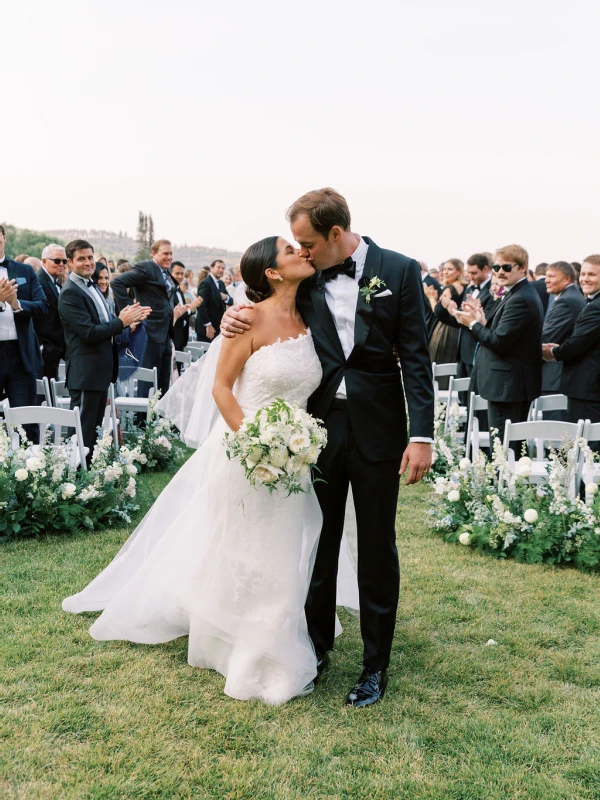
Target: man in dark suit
<point x="181" y="326"/>
<point x="580" y="353"/>
<point x="362" y="304"/>
<point x="49" y="327"/>
<point x="428" y="280"/>
<point x="215" y="300"/>
<point x="479" y="273"/>
<point x="539" y="284"/>
<point x="91" y="352"/>
<point x="508" y="370"/>
<point x="21" y="301"/>
<point x="559" y="323"/>
<point x="153" y="287"/>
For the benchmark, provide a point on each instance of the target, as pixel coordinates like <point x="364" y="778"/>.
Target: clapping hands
<point x="8" y="292"/>
<point x="471" y="311"/>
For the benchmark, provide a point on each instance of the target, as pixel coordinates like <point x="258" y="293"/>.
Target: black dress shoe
<point x="322" y="664"/>
<point x="369" y="688"/>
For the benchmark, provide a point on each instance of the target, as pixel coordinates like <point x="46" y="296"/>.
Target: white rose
<point x="525" y="460"/>
<point x="299" y="441"/>
<point x="33" y="464"/>
<point x="523" y="470"/>
<point x="68" y="490"/>
<point x="454" y="496"/>
<point x="21" y="474"/>
<point x="531" y="516"/>
<point x="465" y="538"/>
<point x="131" y="469"/>
<point x="591" y="488"/>
<point x="464" y="463"/>
<point x="267" y="473"/>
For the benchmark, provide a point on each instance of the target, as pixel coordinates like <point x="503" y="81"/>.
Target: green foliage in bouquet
<point x="158" y="443"/>
<point x="41" y="491"/>
<point x="485" y="506"/>
<point x="279" y="447"/>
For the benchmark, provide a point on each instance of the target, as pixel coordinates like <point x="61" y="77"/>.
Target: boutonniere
<point x="370" y="287"/>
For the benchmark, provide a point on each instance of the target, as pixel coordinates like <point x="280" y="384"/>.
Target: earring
<point x="279" y="278"/>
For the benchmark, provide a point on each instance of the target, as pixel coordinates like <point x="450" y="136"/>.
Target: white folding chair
<point x="43" y="390"/>
<point x="549" y="402"/>
<point x="62" y="371"/>
<point x="540" y="431"/>
<point x="474" y="438"/>
<point x="183" y="357"/>
<point x="110" y="421"/>
<point x="60" y="395"/>
<point x="589" y="473"/>
<point x="131" y="403"/>
<point x="442" y="371"/>
<point x="197" y="349"/>
<point x="47" y="416"/>
<point x="455" y="386"/>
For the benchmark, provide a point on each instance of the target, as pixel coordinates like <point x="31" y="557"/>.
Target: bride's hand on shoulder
<point x="236" y="320"/>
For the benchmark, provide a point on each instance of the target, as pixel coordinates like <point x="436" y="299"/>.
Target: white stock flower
<point x="465" y="538"/>
<point x="130" y="488"/>
<point x="21" y="474"/>
<point x="267" y="473"/>
<point x="34" y="463"/>
<point x="454" y="496"/>
<point x="131" y="469"/>
<point x="531" y="516"/>
<point x="299" y="441"/>
<point x="68" y="490"/>
<point x="464" y="463"/>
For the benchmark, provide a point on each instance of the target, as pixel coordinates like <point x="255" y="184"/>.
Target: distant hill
<point x="119" y="245"/>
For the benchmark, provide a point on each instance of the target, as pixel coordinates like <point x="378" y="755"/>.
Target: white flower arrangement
<point x="279" y="447"/>
<point x="156" y="446"/>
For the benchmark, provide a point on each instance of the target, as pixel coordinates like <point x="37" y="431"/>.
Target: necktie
<point x="57" y="283"/>
<point x="348" y="267"/>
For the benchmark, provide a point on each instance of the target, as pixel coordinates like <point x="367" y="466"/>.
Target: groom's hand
<point x="417" y="457"/>
<point x="235" y="321"/>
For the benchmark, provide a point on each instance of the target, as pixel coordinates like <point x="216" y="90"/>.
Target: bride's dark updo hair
<point x="258" y="258"/>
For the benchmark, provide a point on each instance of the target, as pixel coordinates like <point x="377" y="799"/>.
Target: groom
<point x="361" y="303"/>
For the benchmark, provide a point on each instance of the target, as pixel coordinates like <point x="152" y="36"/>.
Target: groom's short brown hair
<point x="324" y="209"/>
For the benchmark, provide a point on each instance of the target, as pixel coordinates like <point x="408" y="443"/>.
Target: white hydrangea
<point x="89" y="493"/>
<point x="162" y="441"/>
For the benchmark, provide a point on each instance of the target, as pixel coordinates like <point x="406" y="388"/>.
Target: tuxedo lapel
<point x="46" y="279"/>
<point x="364" y="309"/>
<point x="89" y="303"/>
<point x="323" y="314"/>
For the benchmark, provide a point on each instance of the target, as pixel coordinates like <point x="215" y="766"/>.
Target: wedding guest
<point x="577" y="267"/>
<point x="435" y="272"/>
<point x="21" y="258"/>
<point x="479" y="274"/>
<point x="561" y="283"/>
<point x="101" y="278"/>
<point x="202" y="274"/>
<point x="33" y="262"/>
<point x="153" y="286"/>
<point x="508" y="371"/>
<point x="91" y="354"/>
<point x="181" y="325"/>
<point x="121" y="261"/>
<point x="101" y="260"/>
<point x="539" y="284"/>
<point x="189" y="277"/>
<point x="49" y="328"/>
<point x="580" y="353"/>
<point x="111" y="266"/>
<point x="216" y="299"/>
<point x="443" y="340"/>
<point x="123" y="266"/>
<point x="21" y="301"/>
<point x="237" y="275"/>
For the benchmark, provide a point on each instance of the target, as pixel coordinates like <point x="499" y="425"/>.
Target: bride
<point x="215" y="559"/>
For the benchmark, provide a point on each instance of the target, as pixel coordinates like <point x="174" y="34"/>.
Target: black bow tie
<point x="89" y="283"/>
<point x="57" y="283"/>
<point x="588" y="299"/>
<point x="348" y="267"/>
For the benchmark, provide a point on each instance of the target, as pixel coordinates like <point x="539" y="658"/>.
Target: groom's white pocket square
<point x="385" y="293"/>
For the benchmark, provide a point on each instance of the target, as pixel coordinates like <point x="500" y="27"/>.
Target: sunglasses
<point x="504" y="267"/>
<point x="58" y="261"/>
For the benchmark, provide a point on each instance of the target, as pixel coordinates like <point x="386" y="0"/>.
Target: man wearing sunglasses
<point x="49" y="328"/>
<point x="508" y="368"/>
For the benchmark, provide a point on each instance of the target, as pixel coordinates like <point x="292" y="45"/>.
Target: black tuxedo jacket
<point x="212" y="309"/>
<point x="374" y="384"/>
<point x="508" y="367"/>
<point x="467" y="343"/>
<point x="91" y="354"/>
<point x="49" y="328"/>
<point x="34" y="306"/>
<point x="580" y="355"/>
<point x="181" y="326"/>
<point x="558" y="326"/>
<point x="540" y="288"/>
<point x="150" y="289"/>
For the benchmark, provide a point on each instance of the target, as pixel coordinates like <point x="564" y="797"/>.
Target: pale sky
<point x="450" y="127"/>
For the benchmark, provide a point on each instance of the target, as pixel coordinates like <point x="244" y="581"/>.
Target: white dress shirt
<point x="478" y="289"/>
<point x="341" y="296"/>
<point x="8" y="329"/>
<point x="53" y="279"/>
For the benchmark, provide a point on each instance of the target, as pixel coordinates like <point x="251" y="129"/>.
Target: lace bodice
<point x="289" y="370"/>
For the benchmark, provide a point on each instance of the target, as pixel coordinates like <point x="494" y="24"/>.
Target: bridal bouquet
<point x="279" y="447"/>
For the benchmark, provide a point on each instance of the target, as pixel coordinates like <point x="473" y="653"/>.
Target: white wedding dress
<point x="222" y="562"/>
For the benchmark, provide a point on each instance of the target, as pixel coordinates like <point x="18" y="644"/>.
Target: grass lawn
<point x="461" y="721"/>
